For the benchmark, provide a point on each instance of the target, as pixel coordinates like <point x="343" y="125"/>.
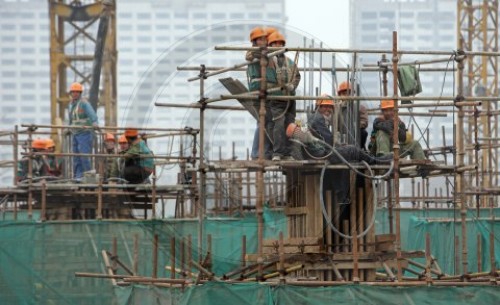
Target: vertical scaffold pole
<point x="202" y="200"/>
<point x="260" y="173"/>
<point x="395" y="140"/>
<point x="459" y="187"/>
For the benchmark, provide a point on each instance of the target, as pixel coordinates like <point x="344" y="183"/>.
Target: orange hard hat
<point x="109" y="137"/>
<point x="324" y="102"/>
<point x="344" y="86"/>
<point x="275" y="37"/>
<point x="76" y="87"/>
<point x="386" y="104"/>
<point x="131" y="132"/>
<point x="122" y="139"/>
<point x="49" y="143"/>
<point x="38" y="144"/>
<point x="270" y="30"/>
<point x="257" y="32"/>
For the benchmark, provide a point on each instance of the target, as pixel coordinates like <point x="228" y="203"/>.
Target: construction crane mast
<point x="478" y="30"/>
<point x="74" y="47"/>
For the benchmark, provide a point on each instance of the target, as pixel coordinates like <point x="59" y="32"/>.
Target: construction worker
<point x="119" y="164"/>
<point x="344" y="89"/>
<point x="54" y="164"/>
<point x="122" y="141"/>
<point x="282" y="113"/>
<point x="81" y="114"/>
<point x="137" y="167"/>
<point x="258" y="38"/>
<point x="250" y="56"/>
<point x="320" y="134"/>
<point x="110" y="148"/>
<point x="383" y="129"/>
<point x="38" y="167"/>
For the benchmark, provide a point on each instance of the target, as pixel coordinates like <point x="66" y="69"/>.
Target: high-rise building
<point x="153" y="38"/>
<point x="421" y="25"/>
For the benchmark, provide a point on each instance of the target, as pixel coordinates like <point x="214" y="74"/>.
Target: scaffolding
<point x="320" y="248"/>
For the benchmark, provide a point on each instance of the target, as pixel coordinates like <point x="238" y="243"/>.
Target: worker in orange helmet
<point x="38" y="167"/>
<point x="122" y="141"/>
<point x="282" y="113"/>
<point x="318" y="139"/>
<point x="345" y="89"/>
<point x="81" y="115"/>
<point x="382" y="135"/>
<point x="257" y="36"/>
<point x="119" y="164"/>
<point x="139" y="164"/>
<point x="110" y="148"/>
<point x="53" y="163"/>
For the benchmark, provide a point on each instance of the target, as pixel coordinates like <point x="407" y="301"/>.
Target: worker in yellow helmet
<point x="382" y="134"/>
<point x="81" y="114"/>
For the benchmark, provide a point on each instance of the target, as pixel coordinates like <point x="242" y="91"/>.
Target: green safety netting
<point x="38" y="260"/>
<point x="257" y="294"/>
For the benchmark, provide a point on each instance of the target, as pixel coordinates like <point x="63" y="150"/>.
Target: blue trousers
<point x="82" y="143"/>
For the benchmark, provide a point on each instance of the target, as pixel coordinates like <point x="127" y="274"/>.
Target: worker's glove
<point x="409" y="137"/>
<point x="257" y="54"/>
<point x="290" y="88"/>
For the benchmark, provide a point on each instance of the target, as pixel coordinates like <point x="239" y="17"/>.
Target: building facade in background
<point x="153" y="38"/>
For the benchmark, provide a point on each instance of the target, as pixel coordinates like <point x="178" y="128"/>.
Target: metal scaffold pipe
<point x="359" y="51"/>
<point x="366" y="68"/>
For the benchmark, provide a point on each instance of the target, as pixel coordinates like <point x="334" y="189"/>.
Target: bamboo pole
<point x="395" y="140"/>
<point x="189" y="255"/>
<point x="260" y="173"/>
<point x="43" y="215"/>
<point x="155" y="256"/>
<point x="136" y="254"/>
<point x="243" y="250"/>
<point x="281" y="250"/>
<point x="172" y="257"/>
<point x="460" y="186"/>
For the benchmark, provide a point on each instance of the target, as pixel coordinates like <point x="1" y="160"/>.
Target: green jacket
<point x="81" y="113"/>
<point x="254" y="76"/>
<point x="139" y="149"/>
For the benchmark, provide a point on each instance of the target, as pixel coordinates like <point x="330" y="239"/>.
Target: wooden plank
<point x="295" y="241"/>
<point x="295" y="211"/>
<point x="294" y="249"/>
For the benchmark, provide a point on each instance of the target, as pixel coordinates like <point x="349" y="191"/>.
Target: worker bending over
<point x="139" y="164"/>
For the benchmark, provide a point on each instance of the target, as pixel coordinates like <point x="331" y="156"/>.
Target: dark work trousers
<point x="275" y="126"/>
<point x="135" y="174"/>
<point x="363" y="136"/>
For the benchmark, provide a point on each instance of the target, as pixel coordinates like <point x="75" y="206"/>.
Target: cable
<point x="325" y="214"/>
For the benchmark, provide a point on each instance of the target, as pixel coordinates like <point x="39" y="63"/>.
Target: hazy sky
<point x="326" y="20"/>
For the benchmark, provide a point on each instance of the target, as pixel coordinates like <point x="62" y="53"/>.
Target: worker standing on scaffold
<point x="81" y="114"/>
